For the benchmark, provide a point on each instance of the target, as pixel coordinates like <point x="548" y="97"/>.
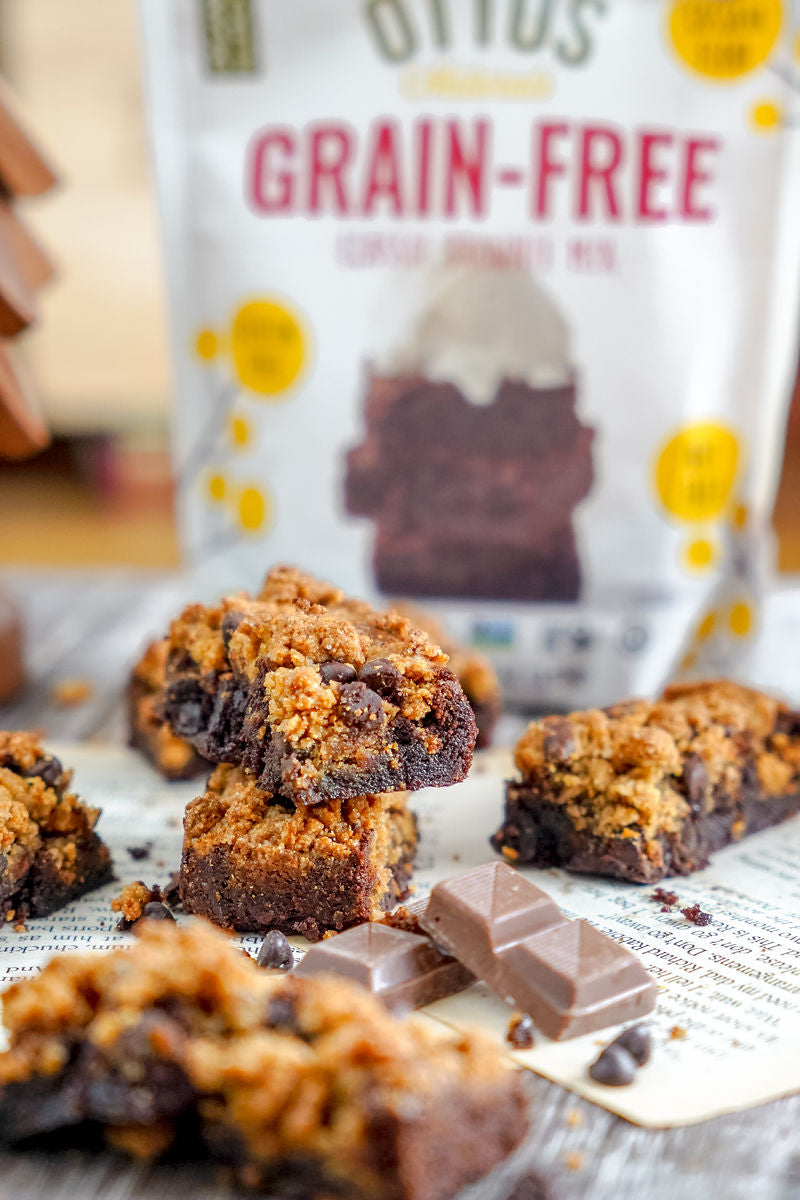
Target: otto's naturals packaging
<point x="488" y="304"/>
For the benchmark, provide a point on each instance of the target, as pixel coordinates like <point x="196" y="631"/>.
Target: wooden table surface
<point x="91" y="627"/>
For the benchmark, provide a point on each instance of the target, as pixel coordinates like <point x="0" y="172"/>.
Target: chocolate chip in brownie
<point x="695" y="914"/>
<point x="359" y="705"/>
<point x="637" y="1042"/>
<point x="520" y="1032"/>
<point x="615" y="1066"/>
<point x="230" y="623"/>
<point x="275" y="953"/>
<point x="381" y="676"/>
<point x="337" y="672"/>
<point x="49" y="770"/>
<point x="559" y="741"/>
<point x="281" y="1014"/>
<point x="695" y="782"/>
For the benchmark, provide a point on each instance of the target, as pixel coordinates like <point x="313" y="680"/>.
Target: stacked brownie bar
<point x="472" y="500"/>
<point x="645" y="789"/>
<point x="322" y="714"/>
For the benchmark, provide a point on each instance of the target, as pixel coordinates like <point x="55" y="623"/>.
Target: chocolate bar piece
<point x="568" y="976"/>
<point x="318" y="696"/>
<point x="645" y="789"/>
<point x="404" y="970"/>
<point x="306" y="1087"/>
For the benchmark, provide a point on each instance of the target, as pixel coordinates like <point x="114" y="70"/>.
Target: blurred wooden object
<point x="786" y="517"/>
<point x="99" y="357"/>
<point x="11" y="672"/>
<point x="23" y="268"/>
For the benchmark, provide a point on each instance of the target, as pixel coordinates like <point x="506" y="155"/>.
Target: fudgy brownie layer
<point x="49" y="852"/>
<point x="173" y="757"/>
<point x="420" y="565"/>
<point x="317" y="696"/>
<point x="647" y="789"/>
<point x="252" y="862"/>
<point x="183" y="1043"/>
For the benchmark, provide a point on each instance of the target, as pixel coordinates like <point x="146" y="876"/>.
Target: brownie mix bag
<point x="491" y="305"/>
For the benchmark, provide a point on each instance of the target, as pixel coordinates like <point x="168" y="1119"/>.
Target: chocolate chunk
<point x="154" y="910"/>
<point x="337" y="672"/>
<point x="275" y="952"/>
<point x="570" y="977"/>
<point x="172" y="892"/>
<point x="49" y="770"/>
<point x="695" y="914"/>
<point x="520" y="1032"/>
<point x="404" y="970"/>
<point x="614" y="1066"/>
<point x="381" y="675"/>
<point x="359" y="705"/>
<point x="695" y="782"/>
<point x="559" y="739"/>
<point x="281" y="1014"/>
<point x="637" y="1042"/>
<point x="230" y="623"/>
<point x="788" y="722"/>
<point x="138" y="852"/>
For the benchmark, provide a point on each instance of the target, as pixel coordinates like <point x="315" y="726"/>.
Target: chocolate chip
<point x="172" y="892"/>
<point x="337" y="672"/>
<point x="614" y="1066"/>
<point x="49" y="770"/>
<point x="154" y="910"/>
<point x="230" y="623"/>
<point x="281" y="1013"/>
<point x="360" y="705"/>
<point x="559" y="739"/>
<point x="788" y="722"/>
<point x="275" y="952"/>
<point x="636" y="1041"/>
<point x="381" y="675"/>
<point x="520" y="1032"/>
<point x="137" y="852"/>
<point x="695" y="782"/>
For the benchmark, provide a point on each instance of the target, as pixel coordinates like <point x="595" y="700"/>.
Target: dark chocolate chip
<point x="154" y="910"/>
<point x="360" y="705"/>
<point x="137" y="852"/>
<point x="614" y="1066"/>
<point x="49" y="770"/>
<point x="788" y="722"/>
<point x="381" y="675"/>
<point x="275" y="952"/>
<point x="559" y="739"/>
<point x="695" y="782"/>
<point x="520" y="1032"/>
<point x="637" y="1042"/>
<point x="172" y="892"/>
<point x="230" y="623"/>
<point x="188" y="706"/>
<point x="281" y="1013"/>
<point x="337" y="672"/>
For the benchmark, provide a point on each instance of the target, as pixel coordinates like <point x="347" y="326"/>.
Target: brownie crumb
<point x="137" y="900"/>
<point x="695" y="914"/>
<point x="520" y="1032"/>
<point x="155" y="910"/>
<point x="677" y="1033"/>
<point x="172" y="892"/>
<point x="139" y="852"/>
<point x="275" y="953"/>
<point x="70" y="693"/>
<point x="574" y="1160"/>
<point x="668" y="899"/>
<point x="574" y="1118"/>
<point x="20" y="927"/>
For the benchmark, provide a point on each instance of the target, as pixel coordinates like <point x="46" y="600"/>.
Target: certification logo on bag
<point x="230" y="44"/>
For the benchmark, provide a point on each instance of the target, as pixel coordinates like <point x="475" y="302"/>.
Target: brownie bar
<point x="419" y="563"/>
<point x="49" y="851"/>
<point x="646" y="789"/>
<point x="183" y="1042"/>
<point x="319" y="697"/>
<point x="172" y="757"/>
<point x="474" y="671"/>
<point x="254" y="862"/>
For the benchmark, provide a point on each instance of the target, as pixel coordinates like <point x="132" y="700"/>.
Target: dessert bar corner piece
<point x="49" y="851"/>
<point x="183" y="1043"/>
<point x="318" y="696"/>
<point x="254" y="862"/>
<point x="173" y="757"/>
<point x="646" y="789"/>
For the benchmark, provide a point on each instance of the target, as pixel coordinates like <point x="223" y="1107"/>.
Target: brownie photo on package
<point x="474" y="458"/>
